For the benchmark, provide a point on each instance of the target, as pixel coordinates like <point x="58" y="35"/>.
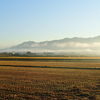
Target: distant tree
<point x="16" y="54"/>
<point x="28" y="53"/>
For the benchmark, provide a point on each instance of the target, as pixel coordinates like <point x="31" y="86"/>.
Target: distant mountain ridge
<point x="75" y="44"/>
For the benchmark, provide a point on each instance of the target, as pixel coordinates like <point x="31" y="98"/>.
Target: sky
<point x="45" y="20"/>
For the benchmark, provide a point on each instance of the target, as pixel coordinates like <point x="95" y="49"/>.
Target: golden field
<point x="49" y="58"/>
<point x="37" y="80"/>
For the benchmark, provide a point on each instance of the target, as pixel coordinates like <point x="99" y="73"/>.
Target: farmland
<point x="49" y="78"/>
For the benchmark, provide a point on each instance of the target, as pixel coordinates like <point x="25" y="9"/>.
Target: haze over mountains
<point x="76" y="44"/>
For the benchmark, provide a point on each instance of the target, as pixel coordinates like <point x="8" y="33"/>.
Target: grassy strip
<point x="54" y="59"/>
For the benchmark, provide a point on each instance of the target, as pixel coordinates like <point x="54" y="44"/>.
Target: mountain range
<point x="76" y="44"/>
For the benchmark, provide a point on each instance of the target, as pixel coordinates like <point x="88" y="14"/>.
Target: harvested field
<point x="68" y="65"/>
<point x="27" y="80"/>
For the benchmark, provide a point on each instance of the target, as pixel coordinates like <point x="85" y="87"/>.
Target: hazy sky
<point x="41" y="20"/>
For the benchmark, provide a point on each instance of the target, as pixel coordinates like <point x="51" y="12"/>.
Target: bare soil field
<point x="27" y="80"/>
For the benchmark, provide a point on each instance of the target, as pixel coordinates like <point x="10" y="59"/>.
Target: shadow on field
<point x="51" y="67"/>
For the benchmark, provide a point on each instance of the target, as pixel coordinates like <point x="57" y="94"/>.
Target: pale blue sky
<point x="41" y="20"/>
